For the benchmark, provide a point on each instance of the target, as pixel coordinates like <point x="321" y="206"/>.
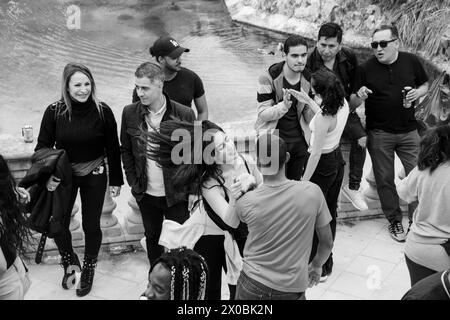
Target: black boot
<point x="87" y="275"/>
<point x="69" y="259"/>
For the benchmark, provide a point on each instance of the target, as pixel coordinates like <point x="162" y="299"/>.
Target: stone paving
<point x="368" y="265"/>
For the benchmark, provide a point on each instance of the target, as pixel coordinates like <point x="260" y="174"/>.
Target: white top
<point x="334" y="136"/>
<point x="155" y="179"/>
<point x="431" y="219"/>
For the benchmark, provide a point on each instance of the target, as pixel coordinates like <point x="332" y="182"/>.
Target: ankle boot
<point x="71" y="264"/>
<point x="87" y="275"/>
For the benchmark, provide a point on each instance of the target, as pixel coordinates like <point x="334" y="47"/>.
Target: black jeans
<point x="92" y="193"/>
<point x="329" y="175"/>
<point x="417" y="272"/>
<point x="382" y="147"/>
<point x="211" y="248"/>
<point x="154" y="210"/>
<point x="297" y="162"/>
<point x="354" y="131"/>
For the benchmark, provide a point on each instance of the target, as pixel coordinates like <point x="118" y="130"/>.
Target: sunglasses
<point x="382" y="44"/>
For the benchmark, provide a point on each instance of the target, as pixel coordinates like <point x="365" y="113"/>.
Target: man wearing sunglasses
<point x="391" y="126"/>
<point x="330" y="53"/>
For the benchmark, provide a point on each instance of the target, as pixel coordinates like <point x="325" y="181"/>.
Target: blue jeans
<point x="249" y="289"/>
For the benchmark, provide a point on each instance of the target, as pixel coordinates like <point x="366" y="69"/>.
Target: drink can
<point x="406" y="103"/>
<point x="27" y="133"/>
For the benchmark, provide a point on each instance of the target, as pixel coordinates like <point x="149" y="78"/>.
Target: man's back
<point x="281" y="220"/>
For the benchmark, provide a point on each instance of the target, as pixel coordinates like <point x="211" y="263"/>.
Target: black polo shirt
<point x="384" y="107"/>
<point x="183" y="88"/>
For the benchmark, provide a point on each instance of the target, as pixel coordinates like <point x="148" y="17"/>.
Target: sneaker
<point x="396" y="231"/>
<point x="323" y="277"/>
<point x="356" y="198"/>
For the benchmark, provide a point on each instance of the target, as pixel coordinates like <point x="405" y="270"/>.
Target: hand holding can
<point x="406" y="103"/>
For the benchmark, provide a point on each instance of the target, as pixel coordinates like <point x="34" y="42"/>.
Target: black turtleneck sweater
<point x="85" y="137"/>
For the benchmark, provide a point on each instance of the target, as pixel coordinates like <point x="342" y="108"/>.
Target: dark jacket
<point x="344" y="67"/>
<point x="133" y="157"/>
<point x="48" y="209"/>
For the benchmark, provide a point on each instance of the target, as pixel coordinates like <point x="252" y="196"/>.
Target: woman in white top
<point x="325" y="166"/>
<point x="427" y="247"/>
<point x="210" y="168"/>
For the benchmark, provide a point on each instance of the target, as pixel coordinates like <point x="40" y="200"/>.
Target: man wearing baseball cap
<point x="181" y="84"/>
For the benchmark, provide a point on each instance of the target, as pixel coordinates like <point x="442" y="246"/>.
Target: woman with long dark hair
<point x="208" y="166"/>
<point x="15" y="237"/>
<point x="86" y="129"/>
<point x="427" y="247"/>
<point x="325" y="166"/>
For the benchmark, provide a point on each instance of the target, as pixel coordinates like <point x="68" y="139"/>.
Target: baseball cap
<point x="271" y="153"/>
<point x="167" y="46"/>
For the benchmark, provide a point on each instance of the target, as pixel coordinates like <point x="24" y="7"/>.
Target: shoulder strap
<point x="214" y="216"/>
<point x="246" y="164"/>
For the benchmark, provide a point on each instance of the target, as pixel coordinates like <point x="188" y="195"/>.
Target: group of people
<point x="270" y="224"/>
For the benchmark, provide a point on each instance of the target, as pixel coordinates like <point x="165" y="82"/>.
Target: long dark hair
<point x="189" y="274"/>
<point x="330" y="88"/>
<point x="12" y="224"/>
<point x="434" y="148"/>
<point x="190" y="175"/>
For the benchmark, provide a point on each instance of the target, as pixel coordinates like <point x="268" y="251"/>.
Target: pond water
<point x="113" y="39"/>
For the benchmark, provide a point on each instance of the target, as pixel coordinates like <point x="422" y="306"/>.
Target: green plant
<point x="421" y="24"/>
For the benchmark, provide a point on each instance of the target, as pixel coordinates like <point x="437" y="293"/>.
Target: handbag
<point x="175" y="235"/>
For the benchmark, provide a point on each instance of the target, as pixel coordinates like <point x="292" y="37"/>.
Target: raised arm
<point x="268" y="110"/>
<point x="225" y="210"/>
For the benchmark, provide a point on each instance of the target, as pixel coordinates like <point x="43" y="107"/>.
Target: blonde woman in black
<point x="86" y="129"/>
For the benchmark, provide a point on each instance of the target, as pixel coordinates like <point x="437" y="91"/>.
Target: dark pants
<point x="211" y="248"/>
<point x="297" y="161"/>
<point x="250" y="289"/>
<point x="382" y="146"/>
<point x="92" y="193"/>
<point x="354" y="131"/>
<point x="417" y="272"/>
<point x="153" y="210"/>
<point x="329" y="175"/>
